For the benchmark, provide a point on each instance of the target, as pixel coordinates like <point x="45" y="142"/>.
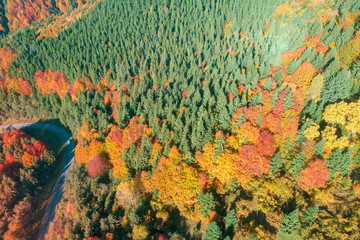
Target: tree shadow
<point x="355" y="175"/>
<point x="260" y="219"/>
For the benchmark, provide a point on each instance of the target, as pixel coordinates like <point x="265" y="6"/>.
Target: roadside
<point x="61" y="139"/>
<point x="54" y="143"/>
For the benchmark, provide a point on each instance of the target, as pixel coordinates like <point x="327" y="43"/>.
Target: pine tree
<point x="316" y="28"/>
<point x="268" y="84"/>
<point x="339" y="161"/>
<point x="213" y="232"/>
<point x="338" y="87"/>
<point x="275" y="163"/>
<point x="224" y="119"/>
<point x="288" y="100"/>
<point x="309" y="215"/>
<point x="297" y="163"/>
<point x="320" y="147"/>
<point x="220" y="145"/>
<point x="206" y="202"/>
<point x="290" y="223"/>
<point x="231" y="220"/>
<point x="278" y="76"/>
<point x="239" y="120"/>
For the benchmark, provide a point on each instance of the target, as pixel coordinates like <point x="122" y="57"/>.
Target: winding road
<point x="60" y="184"/>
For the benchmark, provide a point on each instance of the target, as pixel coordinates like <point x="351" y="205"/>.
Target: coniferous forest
<point x="193" y="119"/>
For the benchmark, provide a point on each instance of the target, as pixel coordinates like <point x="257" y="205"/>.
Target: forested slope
<point x="25" y="167"/>
<point x="17" y="14"/>
<point x="199" y="119"/>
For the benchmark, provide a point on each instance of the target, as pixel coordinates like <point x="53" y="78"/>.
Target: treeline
<point x="231" y="119"/>
<point x="15" y="15"/>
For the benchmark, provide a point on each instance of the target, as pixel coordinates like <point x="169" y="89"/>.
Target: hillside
<point x="26" y="165"/>
<point x="195" y="119"/>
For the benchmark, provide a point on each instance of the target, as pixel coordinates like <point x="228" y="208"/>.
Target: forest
<point x="25" y="168"/>
<point x="193" y="119"/>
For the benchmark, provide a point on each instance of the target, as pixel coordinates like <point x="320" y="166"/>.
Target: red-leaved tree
<point x="97" y="166"/>
<point x="314" y="175"/>
<point x="265" y="143"/>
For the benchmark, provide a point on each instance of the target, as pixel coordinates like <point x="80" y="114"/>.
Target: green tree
<point x="297" y="163"/>
<point x="275" y="163"/>
<point x="207" y="203"/>
<point x="290" y="223"/>
<point x="231" y="220"/>
<point x="213" y="232"/>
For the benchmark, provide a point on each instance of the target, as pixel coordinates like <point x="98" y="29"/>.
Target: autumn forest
<point x="192" y="119"/>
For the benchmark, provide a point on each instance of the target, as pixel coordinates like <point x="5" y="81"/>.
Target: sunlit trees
<point x="186" y="133"/>
<point x="315" y="175"/>
<point x="26" y="165"/>
<point x="290" y="224"/>
<point x="252" y="162"/>
<point x="97" y="166"/>
<point x="127" y="195"/>
<point x="52" y="81"/>
<point x="178" y="185"/>
<point x="207" y="203"/>
<point x="213" y="232"/>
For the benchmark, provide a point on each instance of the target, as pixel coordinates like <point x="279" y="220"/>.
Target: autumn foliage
<point x="7" y="56"/>
<point x="315" y="175"/>
<point x="52" y="81"/>
<point x="27" y="150"/>
<point x="22" y="13"/>
<point x="177" y="184"/>
<point x="97" y="166"/>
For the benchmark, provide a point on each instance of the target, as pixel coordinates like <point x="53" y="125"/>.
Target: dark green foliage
<point x="278" y="76"/>
<point x="346" y="35"/>
<point x="240" y="120"/>
<point x="257" y="99"/>
<point x="293" y="66"/>
<point x="297" y="163"/>
<point x="309" y="215"/>
<point x="320" y="147"/>
<point x="207" y="203"/>
<point x="290" y="223"/>
<point x="231" y="220"/>
<point x="213" y="232"/>
<point x="316" y="28"/>
<point x="143" y="156"/>
<point x="268" y="84"/>
<point x="317" y="61"/>
<point x="288" y="99"/>
<point x="339" y="161"/>
<point x="300" y="137"/>
<point x="338" y="87"/>
<point x="332" y="68"/>
<point x="275" y="163"/>
<point x="329" y="57"/>
<point x="220" y="145"/>
<point x="333" y="35"/>
<point x="357" y="24"/>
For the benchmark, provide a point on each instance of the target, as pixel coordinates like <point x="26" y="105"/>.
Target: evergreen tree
<point x="290" y="223"/>
<point x="309" y="215"/>
<point x="275" y="163"/>
<point x="220" y="145"/>
<point x="231" y="219"/>
<point x="297" y="163"/>
<point x="213" y="232"/>
<point x="207" y="203"/>
<point x="320" y="147"/>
